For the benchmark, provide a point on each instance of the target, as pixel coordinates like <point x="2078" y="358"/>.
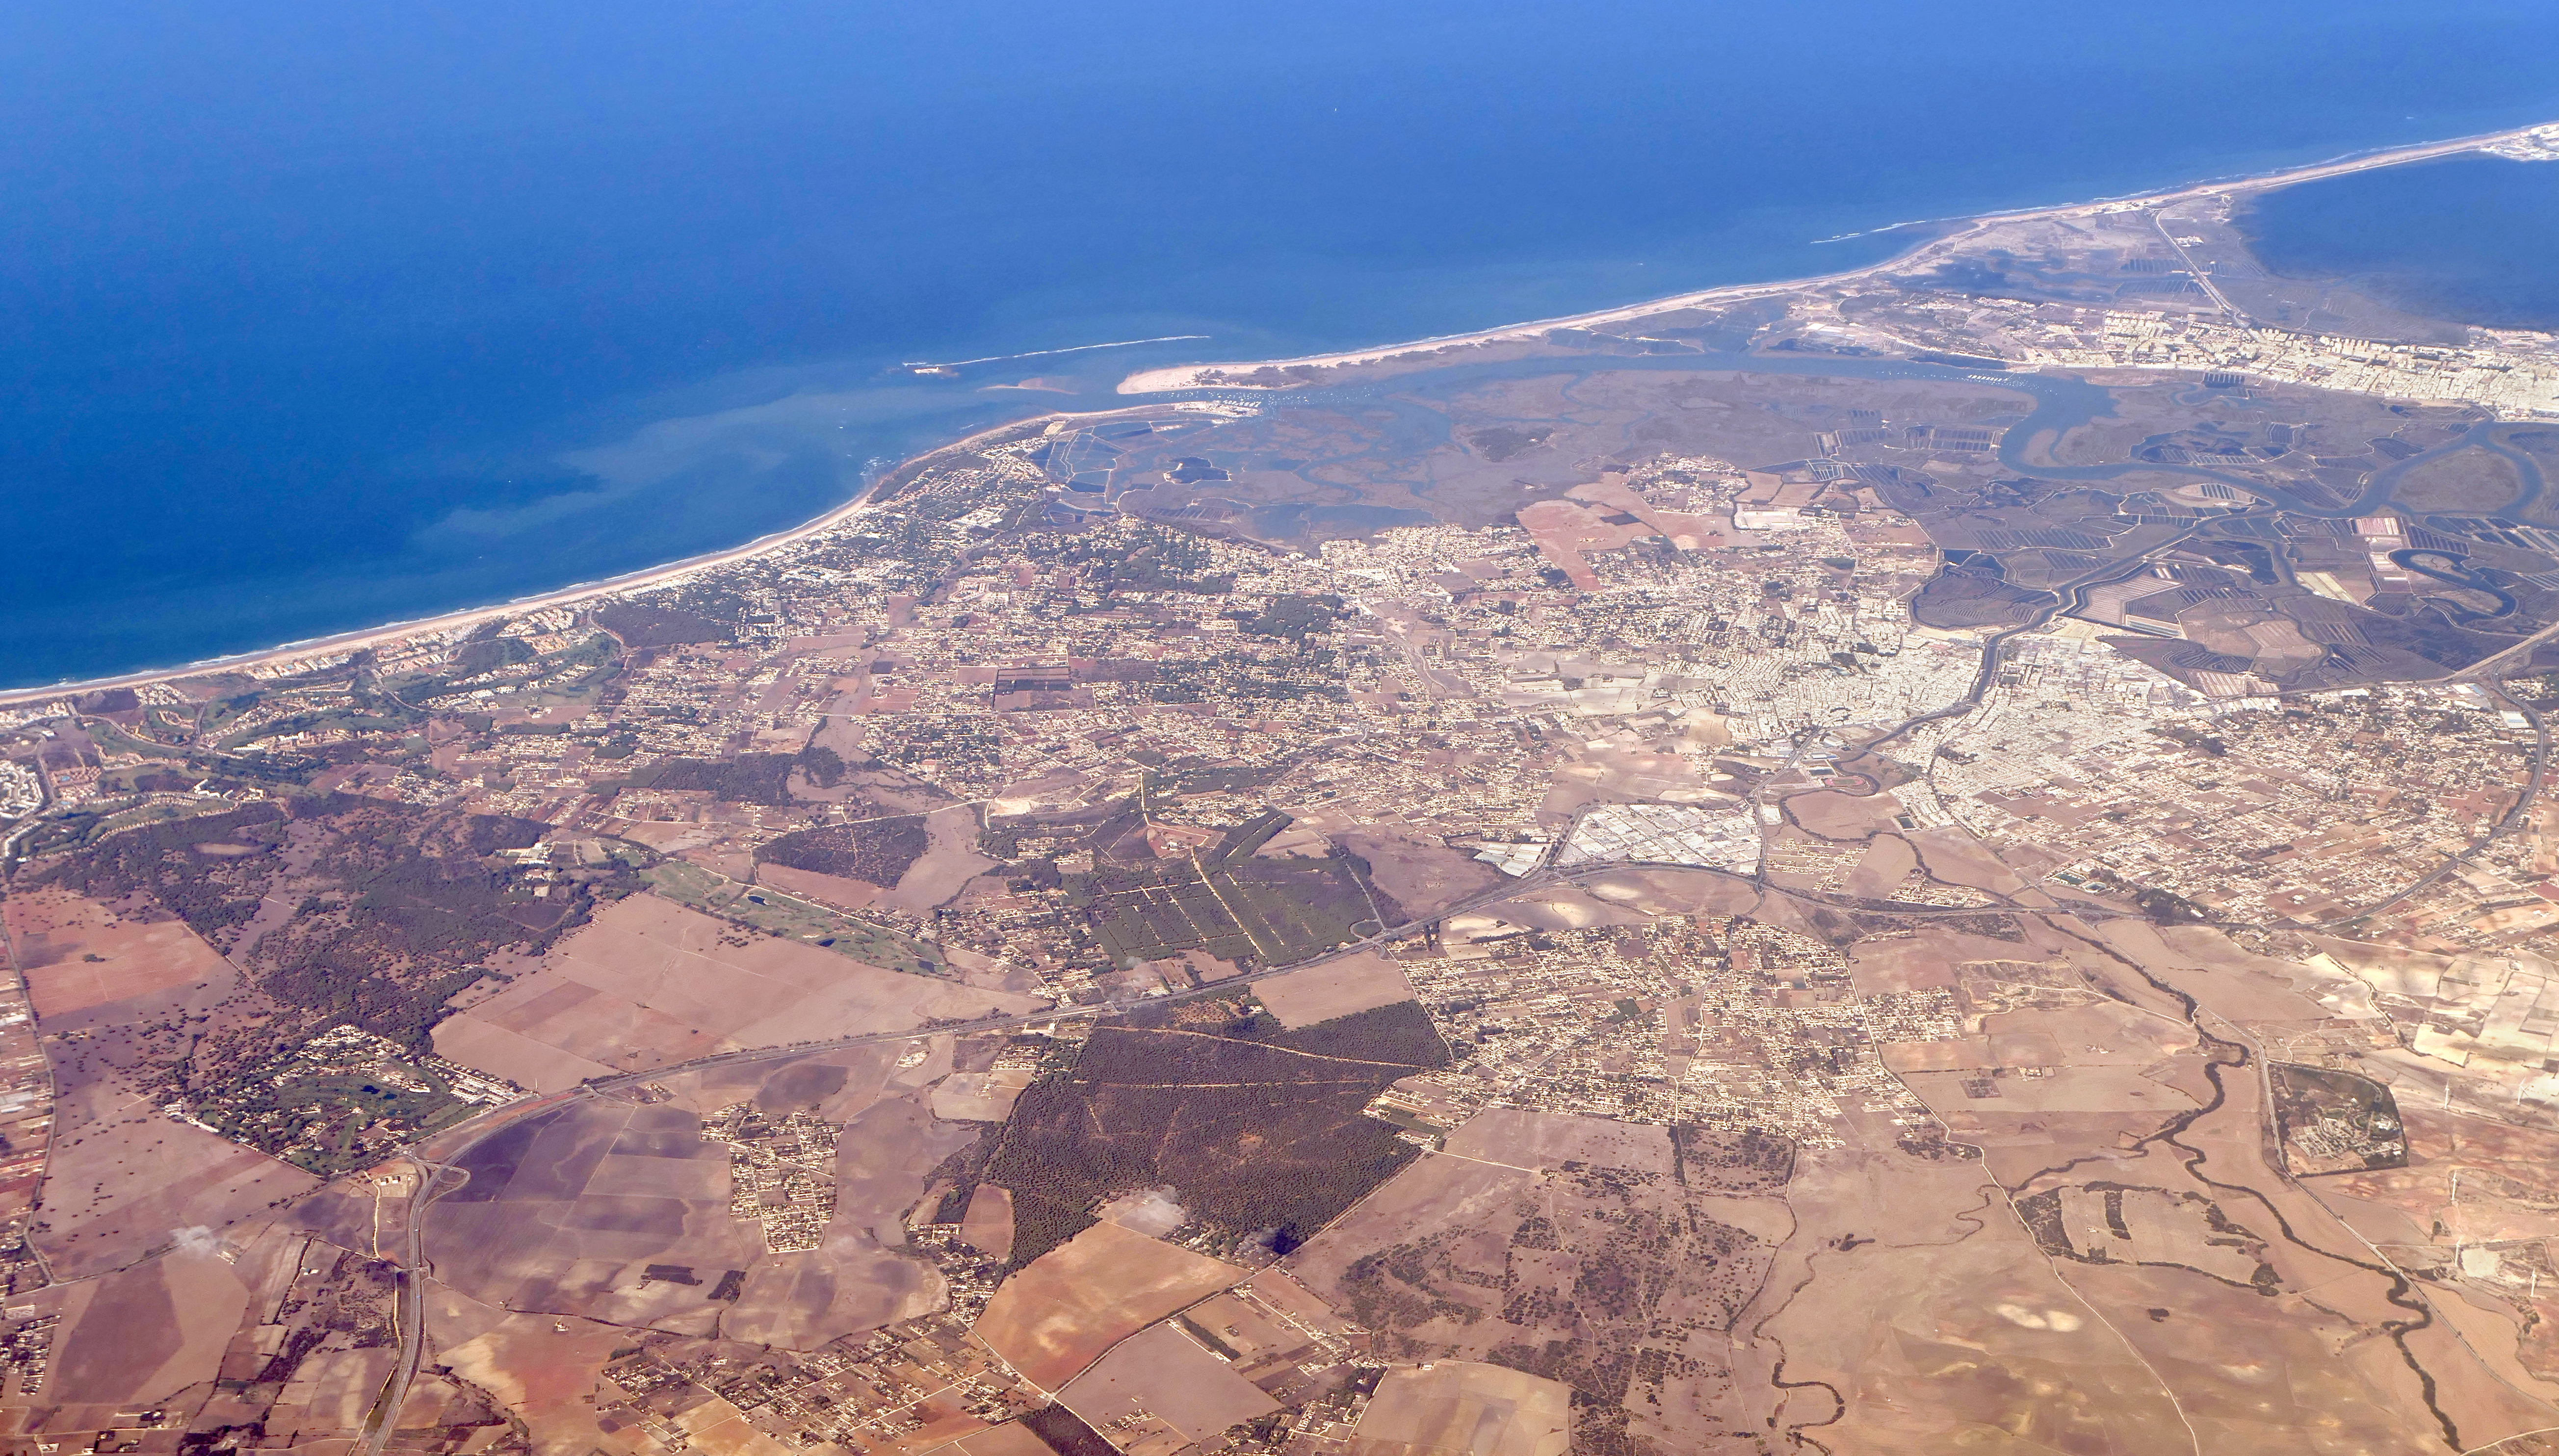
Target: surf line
<point x="1045" y="353"/>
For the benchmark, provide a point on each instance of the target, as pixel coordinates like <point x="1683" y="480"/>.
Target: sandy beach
<point x="1954" y="231"/>
<point x="2540" y="138"/>
<point x="584" y="591"/>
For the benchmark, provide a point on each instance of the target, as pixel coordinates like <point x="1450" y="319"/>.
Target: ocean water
<point x="313" y="318"/>
<point x="2473" y="238"/>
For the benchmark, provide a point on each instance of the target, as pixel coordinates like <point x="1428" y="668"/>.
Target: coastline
<point x="867" y="499"/>
<point x="1174" y="377"/>
<point x="1186" y="376"/>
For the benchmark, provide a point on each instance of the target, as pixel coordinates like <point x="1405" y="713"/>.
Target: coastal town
<point x="1552" y="874"/>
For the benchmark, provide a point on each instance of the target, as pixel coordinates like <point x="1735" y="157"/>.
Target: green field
<point x="792" y="918"/>
<point x="332" y="1114"/>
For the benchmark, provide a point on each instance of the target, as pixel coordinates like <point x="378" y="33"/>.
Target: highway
<point x="2203" y="276"/>
<point x="409" y="1314"/>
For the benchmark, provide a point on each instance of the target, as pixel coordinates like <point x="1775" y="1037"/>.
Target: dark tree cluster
<point x="1258" y="1139"/>
<point x="640" y="624"/>
<point x="750" y="778"/>
<point x="875" y="852"/>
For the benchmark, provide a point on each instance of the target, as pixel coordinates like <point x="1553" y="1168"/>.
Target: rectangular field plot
<point x="1255" y="911"/>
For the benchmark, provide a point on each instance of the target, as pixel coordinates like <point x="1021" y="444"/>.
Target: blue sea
<point x="2474" y="239"/>
<point x="314" y="317"/>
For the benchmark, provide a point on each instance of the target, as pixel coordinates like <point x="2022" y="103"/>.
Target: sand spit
<point x="1952" y="233"/>
<point x="2535" y="140"/>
